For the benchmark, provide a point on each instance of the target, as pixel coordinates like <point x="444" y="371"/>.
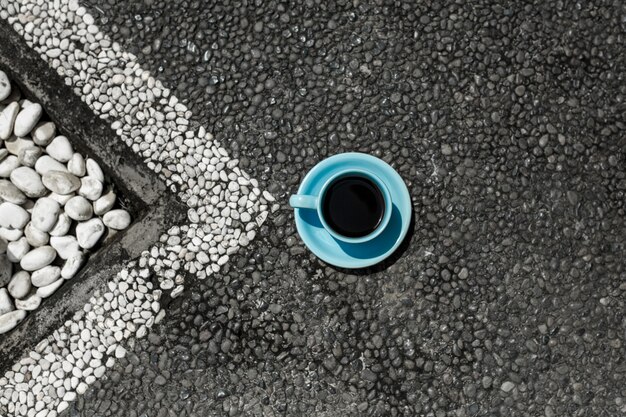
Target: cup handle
<point x="303" y="201"/>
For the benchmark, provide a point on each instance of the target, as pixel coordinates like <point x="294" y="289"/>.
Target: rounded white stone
<point x="62" y="226"/>
<point x="46" y="164"/>
<point x="13" y="216"/>
<point x="78" y="208"/>
<point x="10" y="193"/>
<point x="17" y="250"/>
<point x="89" y="232"/>
<point x="104" y="203"/>
<point x="38" y="258"/>
<point x="94" y="170"/>
<point x="72" y="265"/>
<point x="65" y="246"/>
<point x="15" y="144"/>
<point x="61" y="182"/>
<point x="29" y="181"/>
<point x="45" y="276"/>
<point x="116" y="219"/>
<point x="34" y="236"/>
<point x="20" y="284"/>
<point x="60" y="149"/>
<point x="6" y="269"/>
<point x="6" y="303"/>
<point x="30" y="303"/>
<point x="11" y="319"/>
<point x="76" y="165"/>
<point x="48" y="290"/>
<point x="27" y="119"/>
<point x="45" y="214"/>
<point x="90" y="188"/>
<point x="7" y="120"/>
<point x="8" y="165"/>
<point x="43" y="133"/>
<point x="5" y="86"/>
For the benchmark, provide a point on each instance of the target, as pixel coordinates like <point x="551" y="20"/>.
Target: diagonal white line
<point x="225" y="204"/>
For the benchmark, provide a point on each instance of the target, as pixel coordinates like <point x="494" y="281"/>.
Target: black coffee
<point x="353" y="206"/>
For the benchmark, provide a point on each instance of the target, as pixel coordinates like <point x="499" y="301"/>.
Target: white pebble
<point x="43" y="133"/>
<point x="94" y="170"/>
<point x="9" y="320"/>
<point x="45" y="214"/>
<point x="13" y="216"/>
<point x="76" y="165"/>
<point x="8" y="165"/>
<point x="46" y="164"/>
<point x="27" y="119"/>
<point x="17" y="250"/>
<point x="78" y="208"/>
<point x="117" y="219"/>
<point x="10" y="193"/>
<point x="90" y="188"/>
<point x="30" y="303"/>
<point x="6" y="304"/>
<point x="65" y="246"/>
<point x="60" y="149"/>
<point x="38" y="258"/>
<point x="61" y="182"/>
<point x="104" y="203"/>
<point x="5" y="86"/>
<point x="20" y="284"/>
<point x="62" y="225"/>
<point x="7" y="120"/>
<point x="34" y="236"/>
<point x="29" y="181"/>
<point x="45" y="276"/>
<point x="89" y="232"/>
<point x="48" y="290"/>
<point x="72" y="265"/>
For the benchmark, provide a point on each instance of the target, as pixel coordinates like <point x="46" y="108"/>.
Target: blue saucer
<point x="354" y="255"/>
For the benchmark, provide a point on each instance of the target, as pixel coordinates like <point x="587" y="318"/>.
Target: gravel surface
<point x="507" y="123"/>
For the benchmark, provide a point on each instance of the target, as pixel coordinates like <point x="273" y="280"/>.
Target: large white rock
<point x="46" y="164"/>
<point x="13" y="216"/>
<point x="34" y="236"/>
<point x="11" y="319"/>
<point x="38" y="258"/>
<point x="5" y="86"/>
<point x="62" y="225"/>
<point x="45" y="276"/>
<point x="65" y="246"/>
<point x="20" y="285"/>
<point x="89" y="233"/>
<point x="10" y="193"/>
<point x="61" y="182"/>
<point x="15" y="144"/>
<point x="104" y="203"/>
<point x="60" y="149"/>
<point x="6" y="303"/>
<point x="116" y="219"/>
<point x="17" y="249"/>
<point x="45" y="214"/>
<point x="6" y="269"/>
<point x="28" y="304"/>
<point x="76" y="165"/>
<point x="8" y="165"/>
<point x="27" y="119"/>
<point x="29" y="181"/>
<point x="78" y="208"/>
<point x="90" y="188"/>
<point x="72" y="265"/>
<point x="7" y="120"/>
<point x="94" y="170"/>
<point x="43" y="133"/>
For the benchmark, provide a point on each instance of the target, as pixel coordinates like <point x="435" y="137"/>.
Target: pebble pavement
<point x="507" y="122"/>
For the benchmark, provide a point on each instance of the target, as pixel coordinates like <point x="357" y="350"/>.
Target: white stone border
<point x="156" y="126"/>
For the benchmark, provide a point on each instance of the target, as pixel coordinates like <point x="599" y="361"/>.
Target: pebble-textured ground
<point x="506" y="121"/>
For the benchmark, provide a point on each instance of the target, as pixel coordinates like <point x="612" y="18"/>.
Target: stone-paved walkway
<point x="506" y="120"/>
